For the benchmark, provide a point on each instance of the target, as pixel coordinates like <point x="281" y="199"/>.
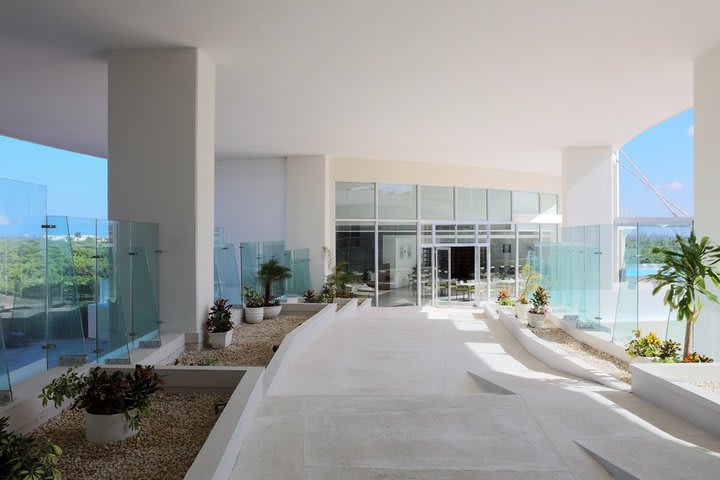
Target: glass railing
<point x="227" y="279"/>
<point x="597" y="277"/>
<point x="298" y="261"/>
<point x="254" y="254"/>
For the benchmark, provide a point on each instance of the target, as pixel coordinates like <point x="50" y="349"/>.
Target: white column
<point x="308" y="201"/>
<point x="707" y="179"/>
<point x="589" y="186"/>
<point x="161" y="129"/>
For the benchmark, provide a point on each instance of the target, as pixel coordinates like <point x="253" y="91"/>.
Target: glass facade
<point x="436" y="203"/>
<point x="414" y="222"/>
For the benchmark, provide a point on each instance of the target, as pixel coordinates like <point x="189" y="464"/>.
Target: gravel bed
<point x="251" y="344"/>
<point x="710" y="386"/>
<point x="168" y="441"/>
<point x="596" y="358"/>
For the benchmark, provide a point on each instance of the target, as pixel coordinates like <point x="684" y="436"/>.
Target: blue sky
<point x="76" y="184"/>
<point x="665" y="155"/>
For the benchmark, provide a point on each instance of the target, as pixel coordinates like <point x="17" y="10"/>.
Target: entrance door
<point x="482" y="290"/>
<point x="443" y="276"/>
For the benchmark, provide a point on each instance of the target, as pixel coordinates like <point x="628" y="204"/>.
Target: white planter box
<point x="272" y="312"/>
<point x="221" y="339"/>
<point x="672" y="386"/>
<point x="107" y="428"/>
<point x="536" y="319"/>
<point x="254" y="314"/>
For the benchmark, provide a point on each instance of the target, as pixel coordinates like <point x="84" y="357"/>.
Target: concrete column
<point x="707" y="173"/>
<point x="589" y="186"/>
<point x="308" y="199"/>
<point x="161" y="129"/>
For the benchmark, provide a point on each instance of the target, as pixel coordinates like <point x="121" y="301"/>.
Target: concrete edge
<point x="349" y="308"/>
<point x="557" y="358"/>
<point x="216" y="459"/>
<point x="677" y="396"/>
<point x="364" y="303"/>
<point x="298" y="338"/>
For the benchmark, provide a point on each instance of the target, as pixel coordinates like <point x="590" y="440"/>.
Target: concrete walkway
<point x="404" y="393"/>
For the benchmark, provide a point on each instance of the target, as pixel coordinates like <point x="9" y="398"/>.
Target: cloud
<point x="675" y="186"/>
<point x="691" y="130"/>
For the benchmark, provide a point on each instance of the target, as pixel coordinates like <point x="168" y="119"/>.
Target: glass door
<point x="482" y="288"/>
<point x="443" y="276"/>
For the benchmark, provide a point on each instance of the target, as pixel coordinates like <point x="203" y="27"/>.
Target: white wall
<point x="250" y="197"/>
<point x="707" y="175"/>
<point x="589" y="186"/>
<point x="161" y="149"/>
<point x="308" y="201"/>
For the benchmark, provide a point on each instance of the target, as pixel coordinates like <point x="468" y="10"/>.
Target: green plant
<point x="504" y="299"/>
<point x="669" y="351"/>
<point x="27" y="457"/>
<point x="649" y="345"/>
<point x="339" y="280"/>
<point x="309" y="296"/>
<point x="540" y="301"/>
<point x="103" y="393"/>
<point x="327" y="293"/>
<point x="684" y="270"/>
<point x="272" y="271"/>
<point x="695" y="357"/>
<point x="219" y="317"/>
<point x="252" y="298"/>
<point x="532" y="282"/>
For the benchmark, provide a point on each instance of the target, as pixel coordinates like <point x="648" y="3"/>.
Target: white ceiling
<point x="505" y="82"/>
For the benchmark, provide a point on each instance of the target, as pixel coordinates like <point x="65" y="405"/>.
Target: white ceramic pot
<point x="221" y="339"/>
<point x="536" y="319"/>
<point x="107" y="428"/>
<point x="237" y="316"/>
<point x="272" y="312"/>
<point x="254" y="314"/>
<point x="521" y="310"/>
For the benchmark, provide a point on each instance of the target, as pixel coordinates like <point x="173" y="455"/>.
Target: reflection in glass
<point x="499" y="205"/>
<point x="502" y="259"/>
<point x="355" y="246"/>
<point x="397" y="273"/>
<point x="436" y="203"/>
<point x="397" y="202"/>
<point x="354" y="200"/>
<point x="471" y="203"/>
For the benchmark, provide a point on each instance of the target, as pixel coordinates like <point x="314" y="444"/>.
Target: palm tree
<point x="271" y="271"/>
<point x="683" y="272"/>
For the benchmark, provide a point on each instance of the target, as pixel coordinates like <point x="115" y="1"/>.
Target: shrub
<point x="270" y="272"/>
<point x="540" y="301"/>
<point x="103" y="393"/>
<point x="27" y="456"/>
<point x="648" y="346"/>
<point x="504" y="299"/>
<point x="695" y="357"/>
<point x="252" y="298"/>
<point x="219" y="317"/>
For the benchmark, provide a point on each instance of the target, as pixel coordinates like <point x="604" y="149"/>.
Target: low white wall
<point x="555" y="357"/>
<point x="597" y="340"/>
<point x="298" y="338"/>
<point x="671" y="387"/>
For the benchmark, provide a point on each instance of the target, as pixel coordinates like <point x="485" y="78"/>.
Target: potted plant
<point x="219" y="325"/>
<point x="339" y="281"/>
<point x="114" y="403"/>
<point x="683" y="272"/>
<point x="532" y="278"/>
<point x="270" y="272"/>
<point x="27" y="456"/>
<point x="536" y="314"/>
<point x="254" y="306"/>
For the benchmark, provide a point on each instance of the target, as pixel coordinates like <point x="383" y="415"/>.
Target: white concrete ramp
<point x="447" y="394"/>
